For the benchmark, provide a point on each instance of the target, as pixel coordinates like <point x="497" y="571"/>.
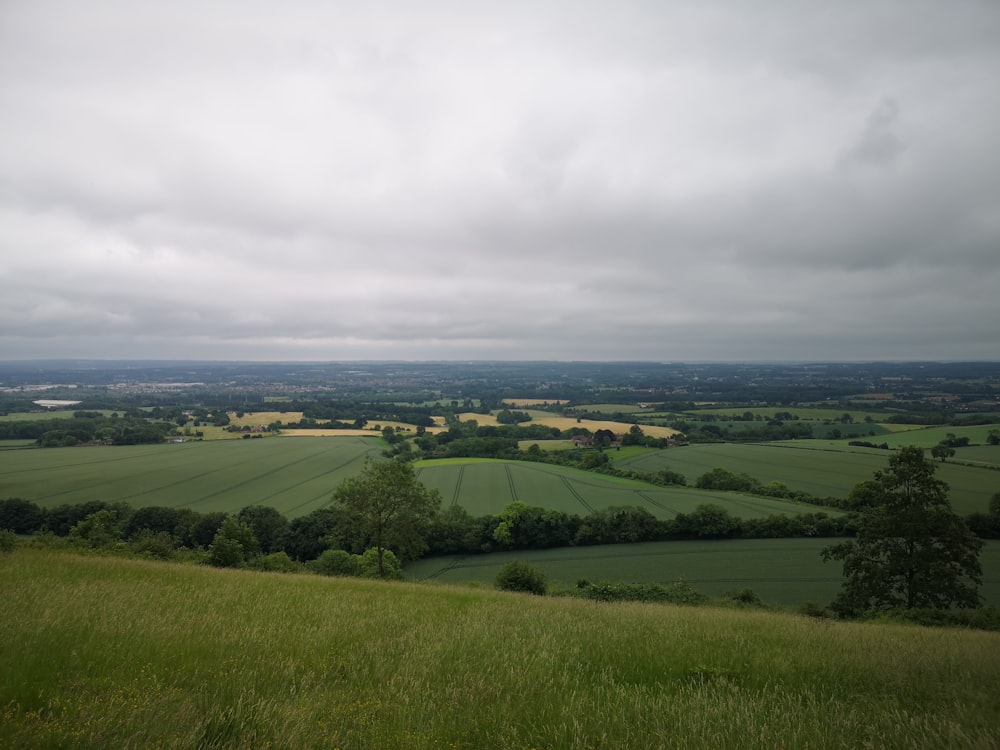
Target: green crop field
<point x="988" y="455"/>
<point x="295" y="476"/>
<point x="819" y="468"/>
<point x="784" y="571"/>
<point x="485" y="486"/>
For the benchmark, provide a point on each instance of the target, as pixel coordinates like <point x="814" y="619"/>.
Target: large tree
<point x="391" y="506"/>
<point x="911" y="550"/>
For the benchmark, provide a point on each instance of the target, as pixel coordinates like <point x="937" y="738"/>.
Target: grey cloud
<point x="579" y="180"/>
<point x="877" y="144"/>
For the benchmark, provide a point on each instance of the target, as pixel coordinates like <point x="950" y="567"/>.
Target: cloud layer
<point x="642" y="180"/>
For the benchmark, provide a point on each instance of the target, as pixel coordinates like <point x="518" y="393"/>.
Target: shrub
<point x="521" y="576"/>
<point x="159" y="545"/>
<point x="746" y="597"/>
<point x="277" y="562"/>
<point x="335" y="562"/>
<point x="680" y="592"/>
<point x="368" y="564"/>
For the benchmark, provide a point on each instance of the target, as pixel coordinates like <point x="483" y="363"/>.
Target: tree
<point x="267" y="524"/>
<point x="391" y="507"/>
<point x="911" y="550"/>
<point x="233" y="545"/>
<point x="942" y="451"/>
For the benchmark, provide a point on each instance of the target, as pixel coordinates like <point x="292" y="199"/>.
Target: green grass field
<point x="787" y="572"/>
<point x="820" y="468"/>
<point x="485" y="486"/>
<point x="104" y="652"/>
<point x="295" y="476"/>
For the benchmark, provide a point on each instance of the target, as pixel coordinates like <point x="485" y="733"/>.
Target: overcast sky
<point x="652" y="180"/>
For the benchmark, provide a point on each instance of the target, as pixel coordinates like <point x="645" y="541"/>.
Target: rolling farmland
<point x="484" y="486"/>
<point x="298" y="476"/>
<point x="819" y="468"/>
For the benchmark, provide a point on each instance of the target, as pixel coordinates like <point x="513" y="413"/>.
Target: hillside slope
<point x="102" y="652"/>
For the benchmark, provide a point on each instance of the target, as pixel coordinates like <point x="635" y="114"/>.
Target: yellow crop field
<point x="484" y="420"/>
<point x="619" y="428"/>
<point x="568" y="423"/>
<point x="251" y="418"/>
<point x="320" y="432"/>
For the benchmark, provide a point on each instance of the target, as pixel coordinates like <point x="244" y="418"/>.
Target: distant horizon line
<point x="98" y="360"/>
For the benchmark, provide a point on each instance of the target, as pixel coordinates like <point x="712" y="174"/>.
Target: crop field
<point x="252" y="418"/>
<point x="293" y="476"/>
<point x="569" y="423"/>
<point x="485" y="486"/>
<point x="533" y="401"/>
<point x="787" y="572"/>
<point x="988" y="455"/>
<point x="821" y="469"/>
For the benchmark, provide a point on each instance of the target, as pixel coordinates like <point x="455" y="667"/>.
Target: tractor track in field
<point x="231" y="487"/>
<point x="88" y="463"/>
<point x="125" y="498"/>
<point x="458" y="487"/>
<point x="327" y="494"/>
<point x="656" y="503"/>
<point x="577" y="495"/>
<point x="510" y="483"/>
<point x="455" y="563"/>
<point x="332" y="470"/>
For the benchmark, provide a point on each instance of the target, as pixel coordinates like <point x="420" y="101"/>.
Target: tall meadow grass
<point x="105" y="652"/>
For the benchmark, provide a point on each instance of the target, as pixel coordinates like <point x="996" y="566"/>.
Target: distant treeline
<point x="87" y="427"/>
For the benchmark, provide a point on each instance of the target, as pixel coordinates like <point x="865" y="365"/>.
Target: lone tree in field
<point x="911" y="550"/>
<point x="391" y="507"/>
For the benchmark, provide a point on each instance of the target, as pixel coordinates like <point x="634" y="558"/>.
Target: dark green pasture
<point x="819" y="468"/>
<point x="294" y="475"/>
<point x="484" y="486"/>
<point x="783" y="571"/>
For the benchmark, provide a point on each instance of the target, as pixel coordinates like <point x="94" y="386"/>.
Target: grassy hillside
<point x="101" y="652"/>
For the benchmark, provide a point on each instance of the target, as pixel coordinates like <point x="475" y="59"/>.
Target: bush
<point x="276" y="562"/>
<point x="521" y="576"/>
<point x="747" y="597"/>
<point x="335" y="562"/>
<point x="159" y="545"/>
<point x="680" y="592"/>
<point x="368" y="564"/>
